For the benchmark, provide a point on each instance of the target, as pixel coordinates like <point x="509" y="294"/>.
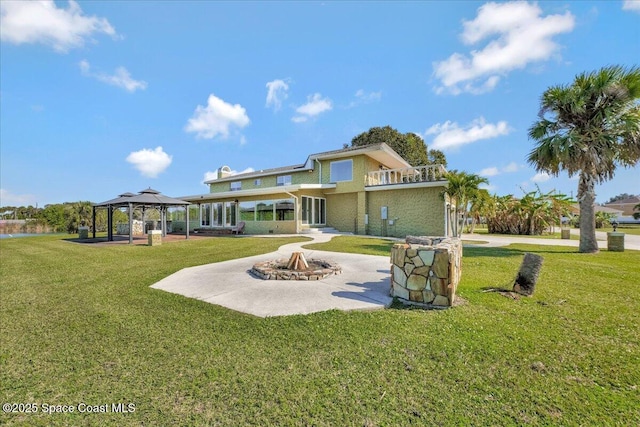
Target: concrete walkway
<point x="363" y="284"/>
<point x="631" y="241"/>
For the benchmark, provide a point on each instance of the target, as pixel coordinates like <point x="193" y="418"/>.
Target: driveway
<point x="630" y="241"/>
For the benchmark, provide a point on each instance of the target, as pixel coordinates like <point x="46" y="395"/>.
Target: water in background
<point x="9" y="236"/>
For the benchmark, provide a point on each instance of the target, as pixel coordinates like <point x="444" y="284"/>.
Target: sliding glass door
<point x="314" y="210"/>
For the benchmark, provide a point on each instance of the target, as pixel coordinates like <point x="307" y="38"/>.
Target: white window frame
<point x="337" y="164"/>
<point x="257" y="182"/>
<point x="281" y="180"/>
<point x="235" y="186"/>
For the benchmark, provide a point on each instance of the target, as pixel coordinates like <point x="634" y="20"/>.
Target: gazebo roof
<point x="148" y="197"/>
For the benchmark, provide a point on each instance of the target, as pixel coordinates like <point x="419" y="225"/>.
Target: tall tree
<point x="462" y="187"/>
<point x="619" y="197"/>
<point x="589" y="128"/>
<point x="409" y="146"/>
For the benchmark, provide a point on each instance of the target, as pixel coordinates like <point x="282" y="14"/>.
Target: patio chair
<point x="238" y="229"/>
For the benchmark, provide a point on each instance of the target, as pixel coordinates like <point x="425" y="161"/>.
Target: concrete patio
<point x="363" y="284"/>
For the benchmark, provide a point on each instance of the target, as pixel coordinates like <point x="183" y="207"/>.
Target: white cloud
<point x="315" y="105"/>
<point x="43" y="22"/>
<point x="488" y="187"/>
<point x="121" y="78"/>
<point x="632" y="5"/>
<point x="216" y="119"/>
<point x="7" y="198"/>
<point x="368" y="96"/>
<point x="518" y="35"/>
<point x="276" y="93"/>
<point x="85" y="67"/>
<point x="209" y="175"/>
<point x="541" y="177"/>
<point x="492" y="171"/>
<point x="150" y="162"/>
<point x="450" y="135"/>
<point x="247" y="170"/>
<point x="363" y="97"/>
<point x="511" y="167"/>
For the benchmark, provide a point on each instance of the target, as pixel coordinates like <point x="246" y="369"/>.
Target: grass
<point x="624" y="228"/>
<point x="80" y="324"/>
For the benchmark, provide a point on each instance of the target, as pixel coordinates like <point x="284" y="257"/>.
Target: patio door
<point x="314" y="210"/>
<point x="230" y="214"/>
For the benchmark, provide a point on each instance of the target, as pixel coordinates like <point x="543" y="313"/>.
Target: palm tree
<point x="461" y="189"/>
<point x="481" y="204"/>
<point x="589" y="128"/>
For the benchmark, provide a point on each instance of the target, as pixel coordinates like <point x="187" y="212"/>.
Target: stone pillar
<point x="565" y="233"/>
<point x="615" y="241"/>
<point x="83" y="232"/>
<point x="426" y="274"/>
<point x="155" y="237"/>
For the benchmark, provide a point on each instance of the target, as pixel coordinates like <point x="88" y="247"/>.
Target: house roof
<point x="380" y="152"/>
<point x="628" y="201"/>
<point x="197" y="198"/>
<point x="597" y="208"/>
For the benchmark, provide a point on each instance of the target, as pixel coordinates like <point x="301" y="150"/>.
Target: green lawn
<point x="79" y="324"/>
<point x="625" y="228"/>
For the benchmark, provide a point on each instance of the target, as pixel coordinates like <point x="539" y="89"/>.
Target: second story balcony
<point x="430" y="173"/>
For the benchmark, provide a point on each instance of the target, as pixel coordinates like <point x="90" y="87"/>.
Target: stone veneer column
<point x="154" y="237"/>
<point x="427" y="274"/>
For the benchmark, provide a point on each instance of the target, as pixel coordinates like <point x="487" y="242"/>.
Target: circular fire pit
<point x="295" y="268"/>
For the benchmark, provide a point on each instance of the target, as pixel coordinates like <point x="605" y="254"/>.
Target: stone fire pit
<point x="295" y="268"/>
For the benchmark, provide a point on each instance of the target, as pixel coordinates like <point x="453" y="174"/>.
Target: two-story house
<point x="363" y="190"/>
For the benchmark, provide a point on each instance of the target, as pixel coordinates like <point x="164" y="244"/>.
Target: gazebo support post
<point x="164" y="221"/>
<point x="131" y="223"/>
<point x="109" y="223"/>
<point x="93" y="220"/>
<point x="186" y="216"/>
<point x="162" y="225"/>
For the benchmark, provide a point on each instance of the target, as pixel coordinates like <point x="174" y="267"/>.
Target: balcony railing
<point x="406" y="175"/>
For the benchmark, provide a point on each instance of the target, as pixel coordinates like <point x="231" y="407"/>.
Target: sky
<point x="99" y="98"/>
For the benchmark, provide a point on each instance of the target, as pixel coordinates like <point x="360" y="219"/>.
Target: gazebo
<point x="145" y="199"/>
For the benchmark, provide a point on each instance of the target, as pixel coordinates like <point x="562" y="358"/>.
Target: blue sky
<point x="101" y="98"/>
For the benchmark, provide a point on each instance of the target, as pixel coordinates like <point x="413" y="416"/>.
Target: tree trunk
<point x="528" y="274"/>
<point x="454" y="221"/>
<point x="587" y="198"/>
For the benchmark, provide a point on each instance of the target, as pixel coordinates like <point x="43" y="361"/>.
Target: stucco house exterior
<point x="363" y="190"/>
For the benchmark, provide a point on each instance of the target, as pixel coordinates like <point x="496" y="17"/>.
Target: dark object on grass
<point x="528" y="274"/>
